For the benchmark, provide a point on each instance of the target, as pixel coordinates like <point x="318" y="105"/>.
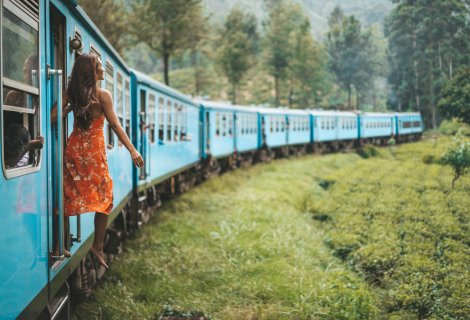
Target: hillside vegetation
<point x="388" y="240"/>
<point x="368" y="11"/>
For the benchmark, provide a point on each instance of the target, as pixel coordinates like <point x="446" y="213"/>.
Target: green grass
<point x="398" y="222"/>
<point x="245" y="246"/>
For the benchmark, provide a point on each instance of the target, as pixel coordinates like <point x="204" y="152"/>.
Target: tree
<point x="285" y="19"/>
<point x="352" y="54"/>
<point x="238" y="46"/>
<point x="110" y="18"/>
<point x="458" y="157"/>
<point x="455" y="97"/>
<point x="428" y="40"/>
<point x="197" y="43"/>
<point x="163" y="25"/>
<point x="306" y="69"/>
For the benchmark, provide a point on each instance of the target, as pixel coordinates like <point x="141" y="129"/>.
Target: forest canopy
<point x="395" y="55"/>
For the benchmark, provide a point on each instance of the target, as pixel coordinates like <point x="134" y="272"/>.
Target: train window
<point x="224" y="125"/>
<point x="230" y="124"/>
<point x="20" y="107"/>
<point x="127" y="107"/>
<point x="109" y="77"/>
<point x="151" y="112"/>
<point x="217" y="124"/>
<point x="177" y="125"/>
<point x="120" y="101"/>
<point x="161" y="119"/>
<point x="168" y="120"/>
<point x="184" y="114"/>
<point x="271" y="124"/>
<point x="333" y="124"/>
<point x="241" y="123"/>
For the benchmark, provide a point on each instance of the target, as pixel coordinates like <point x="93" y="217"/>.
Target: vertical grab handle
<point x="60" y="184"/>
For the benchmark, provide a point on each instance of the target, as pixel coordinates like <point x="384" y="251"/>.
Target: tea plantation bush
<point x="398" y="222"/>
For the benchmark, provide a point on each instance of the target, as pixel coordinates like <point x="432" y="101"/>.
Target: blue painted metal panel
<point x="176" y="136"/>
<point x="298" y="129"/>
<point x="347" y="127"/>
<point x="376" y="125"/>
<point x="246" y="134"/>
<point x="409" y="123"/>
<point x="324" y="128"/>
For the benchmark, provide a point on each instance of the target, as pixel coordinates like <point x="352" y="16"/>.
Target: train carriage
<point x="167" y="136"/>
<point x="408" y="126"/>
<point x="376" y="126"/>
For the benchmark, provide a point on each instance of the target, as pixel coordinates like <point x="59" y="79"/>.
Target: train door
<point x="207" y="133"/>
<point x="59" y="235"/>
<point x="143" y="144"/>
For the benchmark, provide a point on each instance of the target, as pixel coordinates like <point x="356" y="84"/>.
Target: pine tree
<point x="238" y="46"/>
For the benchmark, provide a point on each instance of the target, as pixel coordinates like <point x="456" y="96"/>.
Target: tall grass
<point x="398" y="222"/>
<point x="237" y="247"/>
<point x="388" y="240"/>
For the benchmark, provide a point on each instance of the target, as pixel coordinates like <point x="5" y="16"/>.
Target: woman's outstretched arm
<point x="107" y="105"/>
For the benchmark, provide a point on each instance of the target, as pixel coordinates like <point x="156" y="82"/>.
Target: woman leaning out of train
<point x="87" y="184"/>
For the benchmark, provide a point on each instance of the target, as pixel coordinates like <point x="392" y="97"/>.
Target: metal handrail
<point x="60" y="184"/>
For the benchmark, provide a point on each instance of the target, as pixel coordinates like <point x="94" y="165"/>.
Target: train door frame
<point x="57" y="62"/>
<point x="143" y="141"/>
<point x="59" y="238"/>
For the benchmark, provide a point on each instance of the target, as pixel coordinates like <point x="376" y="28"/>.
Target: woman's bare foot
<point x="99" y="255"/>
<point x="66" y="253"/>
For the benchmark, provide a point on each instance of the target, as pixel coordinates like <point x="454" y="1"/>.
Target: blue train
<point x="182" y="141"/>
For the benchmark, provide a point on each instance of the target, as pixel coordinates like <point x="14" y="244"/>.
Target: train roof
<point x="406" y="114"/>
<point x="377" y="114"/>
<point x="332" y="113"/>
<point x="93" y="29"/>
<point x="283" y="111"/>
<point x="222" y="105"/>
<point x="156" y="85"/>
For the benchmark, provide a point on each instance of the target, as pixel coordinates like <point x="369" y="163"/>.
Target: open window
<point x="168" y="120"/>
<point x="177" y="111"/>
<point x="184" y="123"/>
<point x="109" y="77"/>
<point x="127" y="107"/>
<point x="120" y="101"/>
<point x="161" y="119"/>
<point x="151" y="124"/>
<point x="20" y="88"/>
<point x="217" y="124"/>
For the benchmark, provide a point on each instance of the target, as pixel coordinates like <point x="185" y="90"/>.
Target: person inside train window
<point x="18" y="145"/>
<point x="87" y="183"/>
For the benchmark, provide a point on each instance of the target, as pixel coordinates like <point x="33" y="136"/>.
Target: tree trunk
<point x="417" y="76"/>
<point x="433" y="104"/>
<point x="197" y="80"/>
<point x="291" y="94"/>
<point x="234" y="93"/>
<point x="276" y="88"/>
<point x="166" y="63"/>
<point x="349" y="96"/>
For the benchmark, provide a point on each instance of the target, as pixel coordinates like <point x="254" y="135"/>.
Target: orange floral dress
<point x="87" y="184"/>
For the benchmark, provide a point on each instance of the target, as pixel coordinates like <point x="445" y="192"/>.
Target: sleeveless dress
<point x="87" y="184"/>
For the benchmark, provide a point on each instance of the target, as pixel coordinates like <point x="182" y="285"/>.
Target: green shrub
<point x="450" y="127"/>
<point x="368" y="151"/>
<point x="458" y="157"/>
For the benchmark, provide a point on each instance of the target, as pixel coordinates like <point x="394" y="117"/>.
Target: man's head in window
<point x="18" y="143"/>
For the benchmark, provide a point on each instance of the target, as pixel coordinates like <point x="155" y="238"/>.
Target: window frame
<point x="10" y="173"/>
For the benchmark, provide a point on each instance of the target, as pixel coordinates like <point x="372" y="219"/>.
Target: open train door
<point x="59" y="231"/>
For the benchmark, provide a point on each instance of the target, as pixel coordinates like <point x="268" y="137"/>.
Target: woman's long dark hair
<point x="82" y="89"/>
